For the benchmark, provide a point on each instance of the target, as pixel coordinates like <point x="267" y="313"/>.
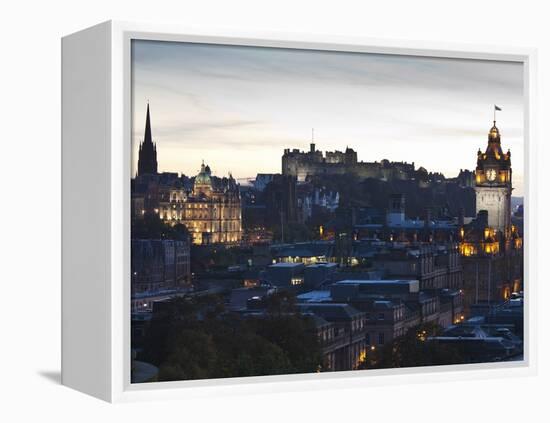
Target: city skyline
<point x="207" y="101"/>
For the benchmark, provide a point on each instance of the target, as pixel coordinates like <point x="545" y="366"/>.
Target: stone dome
<point x="203" y="177"/>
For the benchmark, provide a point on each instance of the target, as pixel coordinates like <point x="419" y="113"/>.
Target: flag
<point x="497" y="108"/>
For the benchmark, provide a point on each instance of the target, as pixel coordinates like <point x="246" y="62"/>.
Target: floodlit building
<point x="494" y="182"/>
<point x="492" y="248"/>
<point x="211" y="211"/>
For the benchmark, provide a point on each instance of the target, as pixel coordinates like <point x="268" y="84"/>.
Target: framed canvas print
<point x="259" y="212"/>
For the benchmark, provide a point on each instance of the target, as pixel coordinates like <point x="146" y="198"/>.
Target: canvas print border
<point x="410" y="48"/>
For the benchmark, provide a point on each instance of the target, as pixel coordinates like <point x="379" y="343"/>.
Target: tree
<point x="195" y="338"/>
<point x="413" y="349"/>
<point x="153" y="227"/>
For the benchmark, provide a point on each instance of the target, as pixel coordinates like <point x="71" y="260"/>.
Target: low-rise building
<point x="344" y="345"/>
<point x="159" y="264"/>
<point x="316" y="275"/>
<point x="285" y="274"/>
<point x="435" y="266"/>
<point x="391" y="307"/>
<point x="304" y="252"/>
<point x="482" y="342"/>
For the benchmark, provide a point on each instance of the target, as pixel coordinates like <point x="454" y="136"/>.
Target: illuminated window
<point x="297" y="281"/>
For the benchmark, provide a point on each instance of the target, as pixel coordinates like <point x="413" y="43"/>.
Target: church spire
<point x="147" y="137"/>
<point x="147" y="160"/>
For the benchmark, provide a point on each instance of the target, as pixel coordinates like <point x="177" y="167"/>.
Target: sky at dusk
<point x="237" y="108"/>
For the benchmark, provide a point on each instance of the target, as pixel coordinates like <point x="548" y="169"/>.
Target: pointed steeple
<point x="147" y="138"/>
<point x="147" y="160"/>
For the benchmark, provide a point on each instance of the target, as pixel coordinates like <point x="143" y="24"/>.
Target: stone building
<point x="304" y="164"/>
<point x="208" y="206"/>
<point x="390" y="307"/>
<point x="159" y="265"/>
<point x="435" y="266"/>
<point x="342" y="334"/>
<point x="211" y="211"/>
<point x="494" y="183"/>
<point x="492" y="248"/>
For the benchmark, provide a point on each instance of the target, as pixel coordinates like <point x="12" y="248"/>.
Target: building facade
<point x="494" y="183"/>
<point x="343" y="340"/>
<point x="435" y="266"/>
<point x="211" y="211"/>
<point x="159" y="265"/>
<point x="208" y="206"/>
<point x="492" y="248"/>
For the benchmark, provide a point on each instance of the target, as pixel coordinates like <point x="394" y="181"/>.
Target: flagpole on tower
<point x="495" y="113"/>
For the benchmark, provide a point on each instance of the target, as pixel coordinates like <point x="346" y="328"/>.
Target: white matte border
<point x="120" y="160"/>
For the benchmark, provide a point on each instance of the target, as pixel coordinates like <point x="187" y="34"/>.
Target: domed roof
<point x="203" y="178"/>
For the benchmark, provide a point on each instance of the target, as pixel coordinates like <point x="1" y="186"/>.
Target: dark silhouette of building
<point x="147" y="159"/>
<point x="159" y="264"/>
<point x="304" y="164"/>
<point x="280" y="200"/>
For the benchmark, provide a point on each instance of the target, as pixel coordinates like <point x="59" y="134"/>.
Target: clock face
<point x="491" y="174"/>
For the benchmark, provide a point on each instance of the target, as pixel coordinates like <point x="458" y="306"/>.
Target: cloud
<point x="243" y="105"/>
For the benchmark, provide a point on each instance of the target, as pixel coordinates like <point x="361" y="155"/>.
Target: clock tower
<point x="494" y="183"/>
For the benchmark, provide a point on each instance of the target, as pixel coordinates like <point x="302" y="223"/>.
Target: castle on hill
<point x="304" y="164"/>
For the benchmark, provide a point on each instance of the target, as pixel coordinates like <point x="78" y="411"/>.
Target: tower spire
<point x="147" y="160"/>
<point x="147" y="137"/>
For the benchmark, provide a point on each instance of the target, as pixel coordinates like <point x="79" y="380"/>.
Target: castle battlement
<point x="304" y="164"/>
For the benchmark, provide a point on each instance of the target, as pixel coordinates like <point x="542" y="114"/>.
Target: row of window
<point x="381" y="338"/>
<point x="379" y="316"/>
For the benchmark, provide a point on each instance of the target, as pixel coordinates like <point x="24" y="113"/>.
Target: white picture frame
<point x="96" y="148"/>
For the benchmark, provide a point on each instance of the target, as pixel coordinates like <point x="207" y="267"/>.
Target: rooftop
<point x="377" y="282"/>
<point x="331" y="311"/>
<point x="314" y="296"/>
<point x="327" y="265"/>
<point x="288" y="265"/>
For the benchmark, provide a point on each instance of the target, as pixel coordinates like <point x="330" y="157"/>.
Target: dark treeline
<point x="198" y="339"/>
